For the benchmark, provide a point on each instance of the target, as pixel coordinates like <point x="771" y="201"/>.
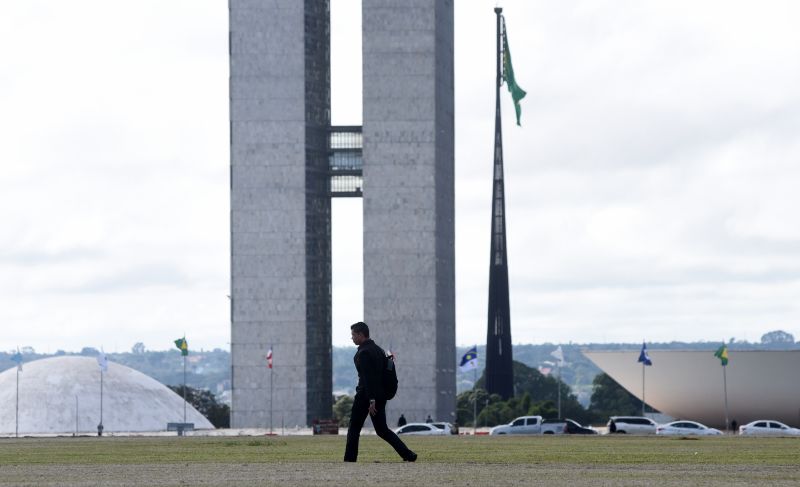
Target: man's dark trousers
<point x="358" y="415"/>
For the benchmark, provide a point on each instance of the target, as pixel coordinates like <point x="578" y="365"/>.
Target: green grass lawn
<point x="296" y="460"/>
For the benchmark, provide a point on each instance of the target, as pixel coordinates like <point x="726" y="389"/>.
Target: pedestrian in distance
<point x="370" y="400"/>
<point x="429" y="419"/>
<point x="402" y="421"/>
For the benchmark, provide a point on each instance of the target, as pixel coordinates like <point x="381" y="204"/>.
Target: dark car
<point x="573" y="428"/>
<point x="560" y="426"/>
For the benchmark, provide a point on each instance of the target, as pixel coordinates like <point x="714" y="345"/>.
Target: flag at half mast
<point x="182" y="346"/>
<point x="517" y="93"/>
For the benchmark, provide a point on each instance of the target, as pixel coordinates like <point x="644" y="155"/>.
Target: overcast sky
<point x="652" y="190"/>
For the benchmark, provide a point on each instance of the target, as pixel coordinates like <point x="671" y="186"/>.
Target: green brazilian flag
<point x="517" y="93"/>
<point x="182" y="345"/>
<point x="722" y="355"/>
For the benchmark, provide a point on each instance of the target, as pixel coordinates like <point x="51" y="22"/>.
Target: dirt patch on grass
<point x="393" y="474"/>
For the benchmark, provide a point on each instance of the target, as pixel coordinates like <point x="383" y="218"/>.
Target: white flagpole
<point x="184" y="387"/>
<point x="101" y="397"/>
<point x="559" y="389"/>
<point x="643" y="364"/>
<point x="270" y="391"/>
<point x="725" y="388"/>
<point x="475" y="401"/>
<point x="16" y="414"/>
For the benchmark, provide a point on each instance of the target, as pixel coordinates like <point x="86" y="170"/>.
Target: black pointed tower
<point x="499" y="373"/>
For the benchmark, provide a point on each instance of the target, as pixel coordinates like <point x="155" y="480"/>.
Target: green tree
<point x="777" y="337"/>
<point x="341" y="409"/>
<point x="464" y="405"/>
<point x="541" y="388"/>
<point x="206" y="404"/>
<point x="611" y="399"/>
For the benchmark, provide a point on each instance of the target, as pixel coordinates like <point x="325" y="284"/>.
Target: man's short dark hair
<point x="360" y="327"/>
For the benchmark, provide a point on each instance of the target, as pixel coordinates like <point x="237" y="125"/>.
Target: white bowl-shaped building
<point x="62" y="395"/>
<point x="690" y="385"/>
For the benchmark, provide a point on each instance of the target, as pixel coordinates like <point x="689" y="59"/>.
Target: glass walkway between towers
<point x="345" y="163"/>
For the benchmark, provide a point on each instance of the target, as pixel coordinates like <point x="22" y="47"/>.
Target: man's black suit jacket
<point x="370" y="359"/>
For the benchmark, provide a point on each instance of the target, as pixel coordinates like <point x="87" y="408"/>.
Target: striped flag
<point x="269" y="358"/>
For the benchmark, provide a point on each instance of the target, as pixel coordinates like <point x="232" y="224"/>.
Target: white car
<point x="768" y="427"/>
<point x="421" y="429"/>
<point x="525" y="425"/>
<point x="447" y="427"/>
<point x="686" y="428"/>
<point x="632" y="425"/>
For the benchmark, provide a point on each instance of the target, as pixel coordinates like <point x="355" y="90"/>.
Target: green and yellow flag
<point x="182" y="346"/>
<point x="722" y="354"/>
<point x="517" y="93"/>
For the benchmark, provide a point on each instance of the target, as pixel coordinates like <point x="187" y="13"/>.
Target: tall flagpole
<point x="559" y="389"/>
<point x="643" y="364"/>
<point x="475" y="399"/>
<point x="269" y="362"/>
<point x="101" y="397"/>
<point x="16" y="413"/>
<point x="270" y="400"/>
<point x="184" y="388"/>
<point x="499" y="369"/>
<point x="725" y="389"/>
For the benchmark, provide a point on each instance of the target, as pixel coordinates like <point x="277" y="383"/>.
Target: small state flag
<point x="269" y="358"/>
<point x="102" y="361"/>
<point x="558" y="354"/>
<point x="722" y="355"/>
<point x="644" y="358"/>
<point x="470" y="360"/>
<point x="517" y="93"/>
<point x="182" y="346"/>
<point x="17" y="357"/>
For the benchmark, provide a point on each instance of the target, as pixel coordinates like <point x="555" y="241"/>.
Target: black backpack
<point x="389" y="378"/>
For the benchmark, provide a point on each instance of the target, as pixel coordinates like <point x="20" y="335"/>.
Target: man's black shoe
<point x="411" y="458"/>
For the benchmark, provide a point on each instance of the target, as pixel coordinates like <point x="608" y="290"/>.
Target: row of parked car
<point x="632" y="425"/>
<point x="638" y="425"/>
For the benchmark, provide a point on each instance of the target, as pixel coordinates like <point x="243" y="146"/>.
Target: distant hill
<point x="210" y="370"/>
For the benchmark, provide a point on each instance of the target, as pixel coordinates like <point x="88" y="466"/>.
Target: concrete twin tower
<point x="287" y="162"/>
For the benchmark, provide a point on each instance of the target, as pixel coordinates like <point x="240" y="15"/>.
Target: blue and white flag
<point x="102" y="361"/>
<point x="470" y="359"/>
<point x="17" y="357"/>
<point x="643" y="357"/>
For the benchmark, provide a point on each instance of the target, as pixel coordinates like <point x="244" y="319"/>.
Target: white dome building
<point x="762" y="384"/>
<point x="62" y="395"/>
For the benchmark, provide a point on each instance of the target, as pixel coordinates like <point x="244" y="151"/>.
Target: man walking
<point x="370" y="400"/>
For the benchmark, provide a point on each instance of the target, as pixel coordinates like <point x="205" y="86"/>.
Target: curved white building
<point x="62" y="395"/>
<point x="689" y="384"/>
